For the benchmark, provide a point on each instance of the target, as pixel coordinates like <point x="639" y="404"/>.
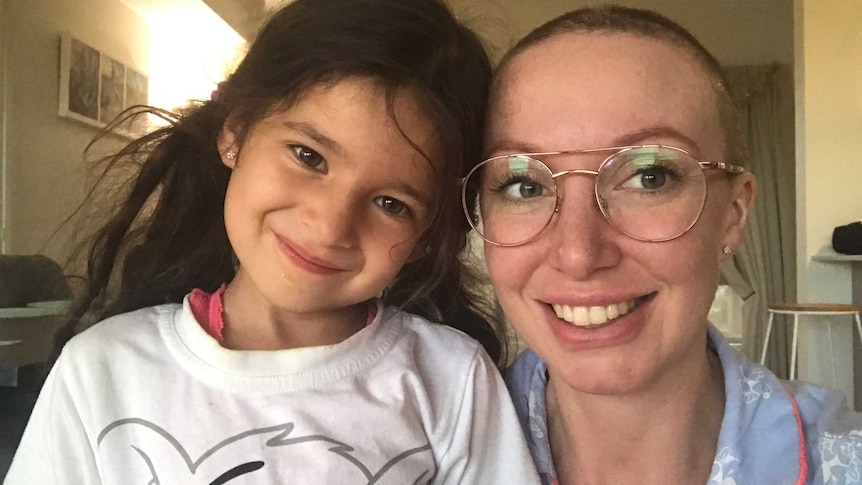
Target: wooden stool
<point x="797" y="309"/>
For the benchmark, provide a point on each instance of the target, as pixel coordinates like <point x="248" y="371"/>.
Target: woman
<point x="613" y="190"/>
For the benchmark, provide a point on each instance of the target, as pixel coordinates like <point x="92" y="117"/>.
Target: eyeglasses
<point x="648" y="192"/>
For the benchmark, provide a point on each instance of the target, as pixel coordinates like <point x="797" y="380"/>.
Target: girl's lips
<point x="304" y="260"/>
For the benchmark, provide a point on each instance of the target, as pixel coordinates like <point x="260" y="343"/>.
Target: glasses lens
<point x="516" y="199"/>
<point x="651" y="193"/>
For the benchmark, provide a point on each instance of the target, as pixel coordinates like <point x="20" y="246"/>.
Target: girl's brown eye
<point x="308" y="157"/>
<point x="393" y="206"/>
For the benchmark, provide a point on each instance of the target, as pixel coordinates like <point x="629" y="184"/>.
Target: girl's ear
<point x="226" y="142"/>
<point x="743" y="192"/>
<point x="420" y="250"/>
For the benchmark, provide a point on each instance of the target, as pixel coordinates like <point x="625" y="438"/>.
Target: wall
<point x="45" y="177"/>
<point x="735" y="31"/>
<point x="191" y="50"/>
<point x="3" y="18"/>
<point x="244" y="16"/>
<point x="829" y="166"/>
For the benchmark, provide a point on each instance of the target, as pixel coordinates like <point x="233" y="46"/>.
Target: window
<point x="726" y="315"/>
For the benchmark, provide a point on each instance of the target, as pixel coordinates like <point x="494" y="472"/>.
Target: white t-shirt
<point x="148" y="397"/>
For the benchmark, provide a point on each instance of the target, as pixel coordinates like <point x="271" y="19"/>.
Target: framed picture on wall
<point x="95" y="87"/>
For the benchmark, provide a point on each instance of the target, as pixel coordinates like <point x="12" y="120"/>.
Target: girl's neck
<point x="251" y="322"/>
<point x="667" y="434"/>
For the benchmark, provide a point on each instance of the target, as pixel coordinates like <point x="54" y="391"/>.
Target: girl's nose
<point x="583" y="241"/>
<point x="331" y="218"/>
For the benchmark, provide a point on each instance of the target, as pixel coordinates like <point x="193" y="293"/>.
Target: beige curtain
<point x="767" y="259"/>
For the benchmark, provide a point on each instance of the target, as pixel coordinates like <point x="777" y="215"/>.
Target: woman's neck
<point x="667" y="434"/>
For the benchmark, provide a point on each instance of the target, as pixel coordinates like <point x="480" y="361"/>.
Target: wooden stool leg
<point x="859" y="326"/>
<point x="793" y="349"/>
<point x="832" y="353"/>
<point x="766" y="339"/>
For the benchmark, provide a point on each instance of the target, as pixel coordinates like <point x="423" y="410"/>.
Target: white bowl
<point x="26" y="312"/>
<point x="54" y="306"/>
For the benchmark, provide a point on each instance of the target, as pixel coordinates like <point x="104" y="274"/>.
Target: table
<point x="27" y="336"/>
<point x="827" y="255"/>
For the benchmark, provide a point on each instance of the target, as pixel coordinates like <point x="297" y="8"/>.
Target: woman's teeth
<point x="584" y="316"/>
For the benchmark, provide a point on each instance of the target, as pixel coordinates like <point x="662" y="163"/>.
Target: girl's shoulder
<point x="434" y="350"/>
<point x="135" y="327"/>
<point x="433" y="335"/>
<point x="450" y="365"/>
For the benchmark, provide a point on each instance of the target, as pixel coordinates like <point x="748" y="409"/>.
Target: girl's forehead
<point x="397" y="106"/>
<point x="357" y="119"/>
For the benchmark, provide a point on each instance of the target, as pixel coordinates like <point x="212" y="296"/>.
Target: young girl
<point x="322" y="175"/>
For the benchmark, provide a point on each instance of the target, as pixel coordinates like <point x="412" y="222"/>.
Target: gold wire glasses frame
<point x="470" y="188"/>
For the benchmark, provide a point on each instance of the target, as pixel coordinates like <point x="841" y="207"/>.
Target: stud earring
<point x="726" y="250"/>
<point x="230" y="155"/>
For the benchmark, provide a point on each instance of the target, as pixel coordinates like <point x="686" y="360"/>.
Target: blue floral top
<point x="773" y="432"/>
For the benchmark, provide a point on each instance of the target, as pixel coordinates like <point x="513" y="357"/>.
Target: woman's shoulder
<point x="824" y="412"/>
<point x="832" y="430"/>
<point x="527" y="373"/>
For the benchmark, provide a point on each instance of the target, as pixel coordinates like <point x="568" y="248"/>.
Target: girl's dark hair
<point x="626" y="20"/>
<point x="167" y="233"/>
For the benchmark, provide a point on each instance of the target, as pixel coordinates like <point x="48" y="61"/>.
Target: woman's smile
<point x="592" y="316"/>
<point x="600" y="326"/>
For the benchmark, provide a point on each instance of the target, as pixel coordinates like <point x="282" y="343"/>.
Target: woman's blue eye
<point x="309" y="157"/>
<point x="525" y="189"/>
<point x="653" y="179"/>
<point x="520" y="188"/>
<point x="393" y="206"/>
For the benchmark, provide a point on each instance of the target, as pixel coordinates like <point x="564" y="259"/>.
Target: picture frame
<point x="95" y="87"/>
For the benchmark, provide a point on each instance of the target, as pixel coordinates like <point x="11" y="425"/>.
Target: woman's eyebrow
<point x="510" y="145"/>
<point x="310" y="131"/>
<point x="660" y="131"/>
<point x="637" y="137"/>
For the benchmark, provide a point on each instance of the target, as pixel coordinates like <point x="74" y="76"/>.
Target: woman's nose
<point x="582" y="239"/>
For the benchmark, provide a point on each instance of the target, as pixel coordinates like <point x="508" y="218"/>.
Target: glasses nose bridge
<point x="576" y="171"/>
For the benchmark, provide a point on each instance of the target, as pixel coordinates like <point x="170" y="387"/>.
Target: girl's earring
<point x="726" y="250"/>
<point x="230" y="155"/>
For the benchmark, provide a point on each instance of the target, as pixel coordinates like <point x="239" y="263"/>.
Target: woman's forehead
<point x="590" y="86"/>
<point x="623" y="62"/>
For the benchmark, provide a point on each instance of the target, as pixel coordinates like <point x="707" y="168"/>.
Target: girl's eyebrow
<point x="309" y="130"/>
<point x="420" y="196"/>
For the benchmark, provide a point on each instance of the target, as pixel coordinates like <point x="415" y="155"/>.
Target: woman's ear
<point x="743" y="192"/>
<point x="226" y="142"/>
